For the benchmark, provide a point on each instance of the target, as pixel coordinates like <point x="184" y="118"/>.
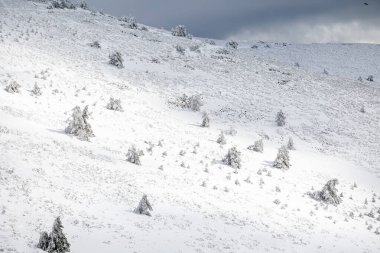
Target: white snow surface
<point x="199" y="204"/>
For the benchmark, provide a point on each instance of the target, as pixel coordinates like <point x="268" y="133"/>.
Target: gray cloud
<point x="280" y="20"/>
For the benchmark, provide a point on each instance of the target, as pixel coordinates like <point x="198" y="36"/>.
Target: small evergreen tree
<point x="36" y="90"/>
<point x="233" y="158"/>
<point x="180" y="31"/>
<point x="297" y="64"/>
<point x="221" y="139"/>
<point x="205" y="120"/>
<point x="116" y="60"/>
<point x="258" y="146"/>
<point x="282" y="160"/>
<point x="58" y="242"/>
<point x="144" y="206"/>
<point x="360" y="79"/>
<point x="133" y="155"/>
<point x="43" y="243"/>
<point x="325" y="72"/>
<point x="328" y="194"/>
<point x="78" y="124"/>
<point x="13" y="87"/>
<point x="290" y="144"/>
<point x="114" y="104"/>
<point x="280" y="118"/>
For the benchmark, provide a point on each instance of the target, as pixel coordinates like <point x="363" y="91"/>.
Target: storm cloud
<point x="271" y="20"/>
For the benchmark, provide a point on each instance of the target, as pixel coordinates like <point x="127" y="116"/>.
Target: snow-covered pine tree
<point x="43" y="243"/>
<point x="61" y="4"/>
<point x="36" y="90"/>
<point x="133" y="155"/>
<point x="297" y="64"/>
<point x="280" y="118"/>
<point x="328" y="194"/>
<point x="258" y="146"/>
<point x="116" y="60"/>
<point x="290" y="144"/>
<point x="232" y="44"/>
<point x="57" y="240"/>
<point x="282" y="159"/>
<point x="325" y="72"/>
<point x="360" y="79"/>
<point x="180" y="31"/>
<point x="221" y="139"/>
<point x="370" y="78"/>
<point x="144" y="206"/>
<point x="114" y="104"/>
<point x="205" y="120"/>
<point x="78" y="124"/>
<point x="13" y="87"/>
<point x="233" y="158"/>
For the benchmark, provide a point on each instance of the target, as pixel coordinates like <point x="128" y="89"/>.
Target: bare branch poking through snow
<point x="78" y="124"/>
<point x="282" y="159"/>
<point x="328" y="194"/>
<point x="133" y="155"/>
<point x="13" y="87"/>
<point x="114" y="104"/>
<point x="233" y="158"/>
<point x="116" y="60"/>
<point x="144" y="206"/>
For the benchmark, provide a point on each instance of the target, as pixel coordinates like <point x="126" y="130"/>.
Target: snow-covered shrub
<point x="194" y="48"/>
<point x="193" y="102"/>
<point x="362" y="109"/>
<point x="360" y="79"/>
<point x="56" y="242"/>
<point x="114" y="104"/>
<point x="232" y="44"/>
<point x="325" y="72"/>
<point x="95" y="44"/>
<point x="297" y="64"/>
<point x="130" y="21"/>
<point x="221" y="139"/>
<point x="222" y="51"/>
<point x="210" y="42"/>
<point x="255" y="47"/>
<point x="328" y="194"/>
<point x="280" y="118"/>
<point x="144" y="206"/>
<point x="83" y="5"/>
<point x="36" y="90"/>
<point x="13" y="87"/>
<point x="290" y="144"/>
<point x="133" y="155"/>
<point x="233" y="158"/>
<point x="282" y="159"/>
<point x="258" y="146"/>
<point x="205" y="120"/>
<point x="230" y="131"/>
<point x="116" y="59"/>
<point x="61" y="4"/>
<point x="180" y="49"/>
<point x="370" y="78"/>
<point x="180" y="31"/>
<point x="78" y="124"/>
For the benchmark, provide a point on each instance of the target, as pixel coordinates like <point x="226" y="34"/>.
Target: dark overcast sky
<point x="272" y="20"/>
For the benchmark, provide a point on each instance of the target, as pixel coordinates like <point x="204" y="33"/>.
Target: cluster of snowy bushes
<point x="180" y="31"/>
<point x="193" y="102"/>
<point x="66" y="4"/>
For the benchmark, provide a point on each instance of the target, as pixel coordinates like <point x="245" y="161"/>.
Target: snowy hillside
<point x="199" y="203"/>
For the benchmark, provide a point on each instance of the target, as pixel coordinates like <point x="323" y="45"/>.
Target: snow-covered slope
<point x="199" y="204"/>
